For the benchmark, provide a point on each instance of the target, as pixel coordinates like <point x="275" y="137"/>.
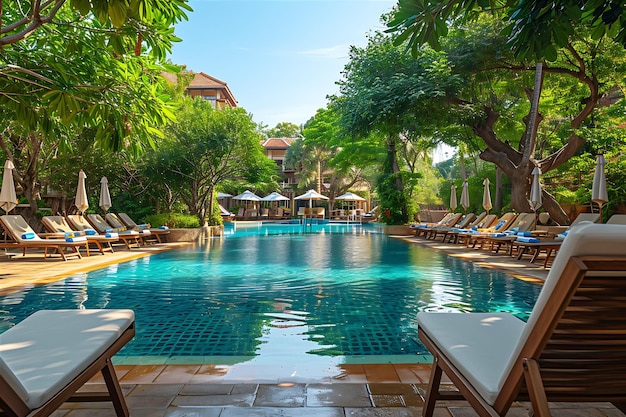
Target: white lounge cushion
<point x="478" y="344"/>
<point x="47" y="350"/>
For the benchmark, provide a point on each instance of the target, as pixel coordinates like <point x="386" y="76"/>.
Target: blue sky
<point x="280" y="58"/>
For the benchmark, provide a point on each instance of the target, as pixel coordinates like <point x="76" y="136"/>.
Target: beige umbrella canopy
<point x="8" y="198"/>
<point x="105" y="197"/>
<point x="465" y="196"/>
<point x="81" y="201"/>
<point x="599" y="194"/>
<point x="453" y="202"/>
<point x="487" y="196"/>
<point x="535" y="191"/>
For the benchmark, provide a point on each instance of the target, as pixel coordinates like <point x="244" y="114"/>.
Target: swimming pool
<point x="274" y="291"/>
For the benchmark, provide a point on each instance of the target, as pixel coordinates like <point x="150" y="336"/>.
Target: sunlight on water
<point x="266" y="293"/>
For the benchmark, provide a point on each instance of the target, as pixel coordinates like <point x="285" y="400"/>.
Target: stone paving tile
<point x="281" y="396"/>
<point x="381" y="412"/>
<point x="392" y="388"/>
<point x="387" y="400"/>
<point x="191" y="412"/>
<point x="155" y="389"/>
<point x="283" y="412"/>
<point x="234" y="400"/>
<point x="338" y="395"/>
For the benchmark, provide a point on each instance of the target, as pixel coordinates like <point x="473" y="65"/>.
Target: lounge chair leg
<point x="433" y="389"/>
<point x="535" y="388"/>
<point x="115" y="391"/>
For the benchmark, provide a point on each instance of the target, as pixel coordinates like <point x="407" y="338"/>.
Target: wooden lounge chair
<point x="502" y="224"/>
<point x="24" y="237"/>
<point x="58" y="227"/>
<point x="117" y="223"/>
<point x="49" y="355"/>
<point x="572" y="349"/>
<point x="161" y="232"/>
<point x="449" y="220"/>
<point x="458" y="235"/>
<point x="551" y="242"/>
<point x="78" y="222"/>
<point x="464" y="222"/>
<point x="523" y="223"/>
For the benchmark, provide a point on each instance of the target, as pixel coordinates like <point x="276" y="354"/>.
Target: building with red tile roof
<point x="209" y="88"/>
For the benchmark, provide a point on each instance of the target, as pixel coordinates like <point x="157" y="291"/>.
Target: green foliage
<point x="173" y="220"/>
<point x="284" y="130"/>
<point x="535" y="30"/>
<point x="204" y="148"/>
<point x="395" y="204"/>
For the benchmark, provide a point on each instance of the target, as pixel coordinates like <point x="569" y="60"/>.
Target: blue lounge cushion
<point x="28" y="235"/>
<point x="90" y="232"/>
<point x="112" y="235"/>
<point x="527" y="239"/>
<point x="500" y="224"/>
<point x="163" y="227"/>
<point x="524" y="234"/>
<point x="76" y="239"/>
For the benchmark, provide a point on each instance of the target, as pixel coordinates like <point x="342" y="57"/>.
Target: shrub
<point x="173" y="220"/>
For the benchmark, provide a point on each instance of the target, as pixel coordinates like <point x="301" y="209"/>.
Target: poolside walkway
<point x="211" y="390"/>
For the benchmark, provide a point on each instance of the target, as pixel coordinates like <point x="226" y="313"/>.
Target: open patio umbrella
<point x="487" y="196"/>
<point x="453" y="203"/>
<point x="105" y="197"/>
<point x="247" y="196"/>
<point x="274" y="197"/>
<point x="8" y="198"/>
<point x="599" y="194"/>
<point x="311" y="195"/>
<point x="535" y="190"/>
<point x="465" y="196"/>
<point x="81" y="201"/>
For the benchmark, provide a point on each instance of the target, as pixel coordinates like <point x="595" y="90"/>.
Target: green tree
<point x="206" y="147"/>
<point x="388" y="99"/>
<point x="284" y="130"/>
<point x="64" y="74"/>
<point x="482" y="52"/>
<point x="322" y="158"/>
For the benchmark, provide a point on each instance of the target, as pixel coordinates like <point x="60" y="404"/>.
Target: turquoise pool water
<point x="281" y="291"/>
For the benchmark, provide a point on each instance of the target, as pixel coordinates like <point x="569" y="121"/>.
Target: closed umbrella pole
<point x="535" y="190"/>
<point x="8" y="197"/>
<point x="599" y="193"/>
<point x="487" y="196"/>
<point x="105" y="197"/>
<point x="465" y="196"/>
<point x="453" y="203"/>
<point x="81" y="201"/>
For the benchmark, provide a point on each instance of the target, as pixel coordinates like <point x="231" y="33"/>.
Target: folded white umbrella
<point x="105" y="197"/>
<point x="453" y="202"/>
<point x="8" y="198"/>
<point x="487" y="196"/>
<point x="535" y="190"/>
<point x="599" y="192"/>
<point x="81" y="201"/>
<point x="465" y="196"/>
